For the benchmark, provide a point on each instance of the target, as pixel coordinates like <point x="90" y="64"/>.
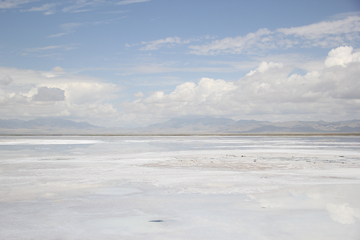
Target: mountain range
<point x="204" y="125"/>
<point x="229" y="126"/>
<point x="45" y="126"/>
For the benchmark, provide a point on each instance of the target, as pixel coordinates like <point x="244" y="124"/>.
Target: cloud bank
<point x="269" y="92"/>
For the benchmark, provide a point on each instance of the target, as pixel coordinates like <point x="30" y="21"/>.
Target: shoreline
<point x="182" y="134"/>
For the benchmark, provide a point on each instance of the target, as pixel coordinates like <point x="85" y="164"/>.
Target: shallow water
<point x="180" y="188"/>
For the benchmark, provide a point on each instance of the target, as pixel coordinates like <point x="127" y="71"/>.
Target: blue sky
<point x="137" y="62"/>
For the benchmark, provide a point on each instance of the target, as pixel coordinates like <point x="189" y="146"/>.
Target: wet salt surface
<point x="180" y="188"/>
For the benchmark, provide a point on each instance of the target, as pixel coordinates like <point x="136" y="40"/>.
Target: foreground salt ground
<point x="180" y="188"/>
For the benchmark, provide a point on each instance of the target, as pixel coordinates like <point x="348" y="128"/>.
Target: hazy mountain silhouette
<point x="224" y="125"/>
<point x="199" y="125"/>
<point x="45" y="125"/>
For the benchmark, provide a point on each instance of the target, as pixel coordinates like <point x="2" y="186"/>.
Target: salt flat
<point x="180" y="187"/>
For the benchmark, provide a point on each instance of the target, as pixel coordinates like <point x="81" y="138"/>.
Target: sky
<point x="129" y="63"/>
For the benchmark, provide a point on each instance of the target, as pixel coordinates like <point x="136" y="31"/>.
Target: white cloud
<point x="47" y="49"/>
<point x="46" y="94"/>
<point x="43" y="48"/>
<point x="166" y="42"/>
<point x="58" y="69"/>
<point x="49" y="12"/>
<point x="169" y="41"/>
<point x="69" y="27"/>
<point x="166" y="67"/>
<point x="115" y="12"/>
<point x="324" y="34"/>
<point x="139" y="95"/>
<point x="39" y="94"/>
<point x="348" y="25"/>
<point x="234" y="45"/>
<point x="266" y="93"/>
<point x="187" y="98"/>
<point x="14" y="3"/>
<point x="6" y="80"/>
<point x="341" y="56"/>
<point x="125" y="2"/>
<point x="264" y="66"/>
<point x="76" y="6"/>
<point x="58" y="35"/>
<point x="79" y="4"/>
<point x="47" y="8"/>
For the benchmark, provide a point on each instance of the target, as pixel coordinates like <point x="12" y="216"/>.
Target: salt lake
<point x="180" y="187"/>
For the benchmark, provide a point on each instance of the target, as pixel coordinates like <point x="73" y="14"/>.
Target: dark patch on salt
<point x="156" y="221"/>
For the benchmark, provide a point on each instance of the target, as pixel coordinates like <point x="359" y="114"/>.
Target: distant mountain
<point x="44" y="122"/>
<point x="202" y="125"/>
<point x="183" y="125"/>
<point x="224" y="125"/>
<point x="46" y="126"/>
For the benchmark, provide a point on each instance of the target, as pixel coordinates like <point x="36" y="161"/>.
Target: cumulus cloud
<point x="266" y="93"/>
<point x="187" y="98"/>
<point x="139" y="95"/>
<point x="323" y="34"/>
<point x="264" y="66"/>
<point x="58" y="69"/>
<point x="43" y="94"/>
<point x="49" y="94"/>
<point x="269" y="92"/>
<point x="6" y="80"/>
<point x="341" y="56"/>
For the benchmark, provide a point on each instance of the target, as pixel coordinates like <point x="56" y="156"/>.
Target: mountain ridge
<point x="252" y="126"/>
<point x="200" y="125"/>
